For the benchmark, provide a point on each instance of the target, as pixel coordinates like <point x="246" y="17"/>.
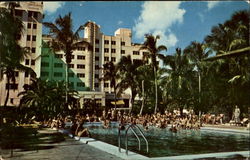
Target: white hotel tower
<point x="31" y="14"/>
<point x="88" y="58"/>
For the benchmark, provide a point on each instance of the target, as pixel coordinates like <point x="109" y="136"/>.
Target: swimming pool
<point x="163" y="143"/>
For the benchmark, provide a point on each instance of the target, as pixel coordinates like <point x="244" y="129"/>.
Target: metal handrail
<point x="143" y="136"/>
<point x="136" y="135"/>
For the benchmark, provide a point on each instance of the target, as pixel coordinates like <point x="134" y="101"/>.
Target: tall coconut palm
<point x="11" y="6"/>
<point x="197" y="52"/>
<point x="110" y="73"/>
<point x="150" y="44"/>
<point x="129" y="77"/>
<point x="232" y="34"/>
<point x="11" y="53"/>
<point x="64" y="39"/>
<point x="179" y="77"/>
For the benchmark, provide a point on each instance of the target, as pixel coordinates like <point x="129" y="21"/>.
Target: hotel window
<point x="96" y="85"/>
<point x="106" y="85"/>
<point x="97" y="76"/>
<point x="122" y="51"/>
<point x="71" y="65"/>
<point x="35" y="15"/>
<point x="71" y="74"/>
<point x="11" y="86"/>
<point x="33" y="50"/>
<point x="106" y="41"/>
<point x="58" y="74"/>
<point x="58" y="55"/>
<point x="27" y="62"/>
<point x="29" y="13"/>
<point x="97" y="41"/>
<point x="112" y="50"/>
<point x="45" y="64"/>
<point x="136" y="53"/>
<point x="29" y="25"/>
<point x="97" y="49"/>
<point x="33" y="62"/>
<point x="81" y="66"/>
<point x="96" y="67"/>
<point x="80" y="57"/>
<point x="72" y="56"/>
<point x="28" y="37"/>
<point x="19" y="13"/>
<point x="123" y="43"/>
<point x="58" y="65"/>
<point x="106" y="50"/>
<point x="81" y="48"/>
<point x="80" y="84"/>
<point x="34" y="26"/>
<point x="97" y="58"/>
<point x="80" y="75"/>
<point x="106" y="58"/>
<point x="44" y="74"/>
<point x="113" y="59"/>
<point x="26" y="74"/>
<point x="113" y="42"/>
<point x="33" y="38"/>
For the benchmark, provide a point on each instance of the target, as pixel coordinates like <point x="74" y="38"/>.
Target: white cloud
<point x="120" y="22"/>
<point x="168" y="40"/>
<point x="212" y="4"/>
<point x="157" y="18"/>
<point x="51" y="7"/>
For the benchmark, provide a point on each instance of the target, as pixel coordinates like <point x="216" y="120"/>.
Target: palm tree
<point x="11" y="53"/>
<point x="233" y="34"/>
<point x="41" y="94"/>
<point x="11" y="6"/>
<point x="197" y="52"/>
<point x="129" y="77"/>
<point x="64" y="39"/>
<point x="179" y="77"/>
<point x="110" y="73"/>
<point x="145" y="77"/>
<point x="150" y="45"/>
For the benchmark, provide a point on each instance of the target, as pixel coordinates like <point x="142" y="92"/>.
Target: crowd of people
<point x="171" y="120"/>
<point x="174" y="121"/>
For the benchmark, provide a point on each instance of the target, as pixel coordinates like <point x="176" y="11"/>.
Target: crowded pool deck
<point x="73" y="149"/>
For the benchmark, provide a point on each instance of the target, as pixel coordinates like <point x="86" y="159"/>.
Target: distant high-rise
<point x="31" y="14"/>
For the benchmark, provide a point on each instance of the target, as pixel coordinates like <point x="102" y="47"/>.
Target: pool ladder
<point x="132" y="127"/>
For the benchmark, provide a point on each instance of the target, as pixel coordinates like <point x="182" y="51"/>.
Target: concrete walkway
<point x="70" y="149"/>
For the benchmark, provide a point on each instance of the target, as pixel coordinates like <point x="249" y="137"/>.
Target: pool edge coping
<point x="132" y="155"/>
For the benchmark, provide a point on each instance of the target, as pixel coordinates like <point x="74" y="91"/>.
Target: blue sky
<point x="178" y="23"/>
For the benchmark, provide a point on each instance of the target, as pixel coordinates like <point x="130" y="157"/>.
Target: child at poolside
<point x="81" y="131"/>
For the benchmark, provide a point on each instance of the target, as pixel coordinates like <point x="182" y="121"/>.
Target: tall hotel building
<point x="84" y="71"/>
<point x="31" y="14"/>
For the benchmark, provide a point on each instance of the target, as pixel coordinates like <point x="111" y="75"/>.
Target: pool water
<point x="164" y="143"/>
